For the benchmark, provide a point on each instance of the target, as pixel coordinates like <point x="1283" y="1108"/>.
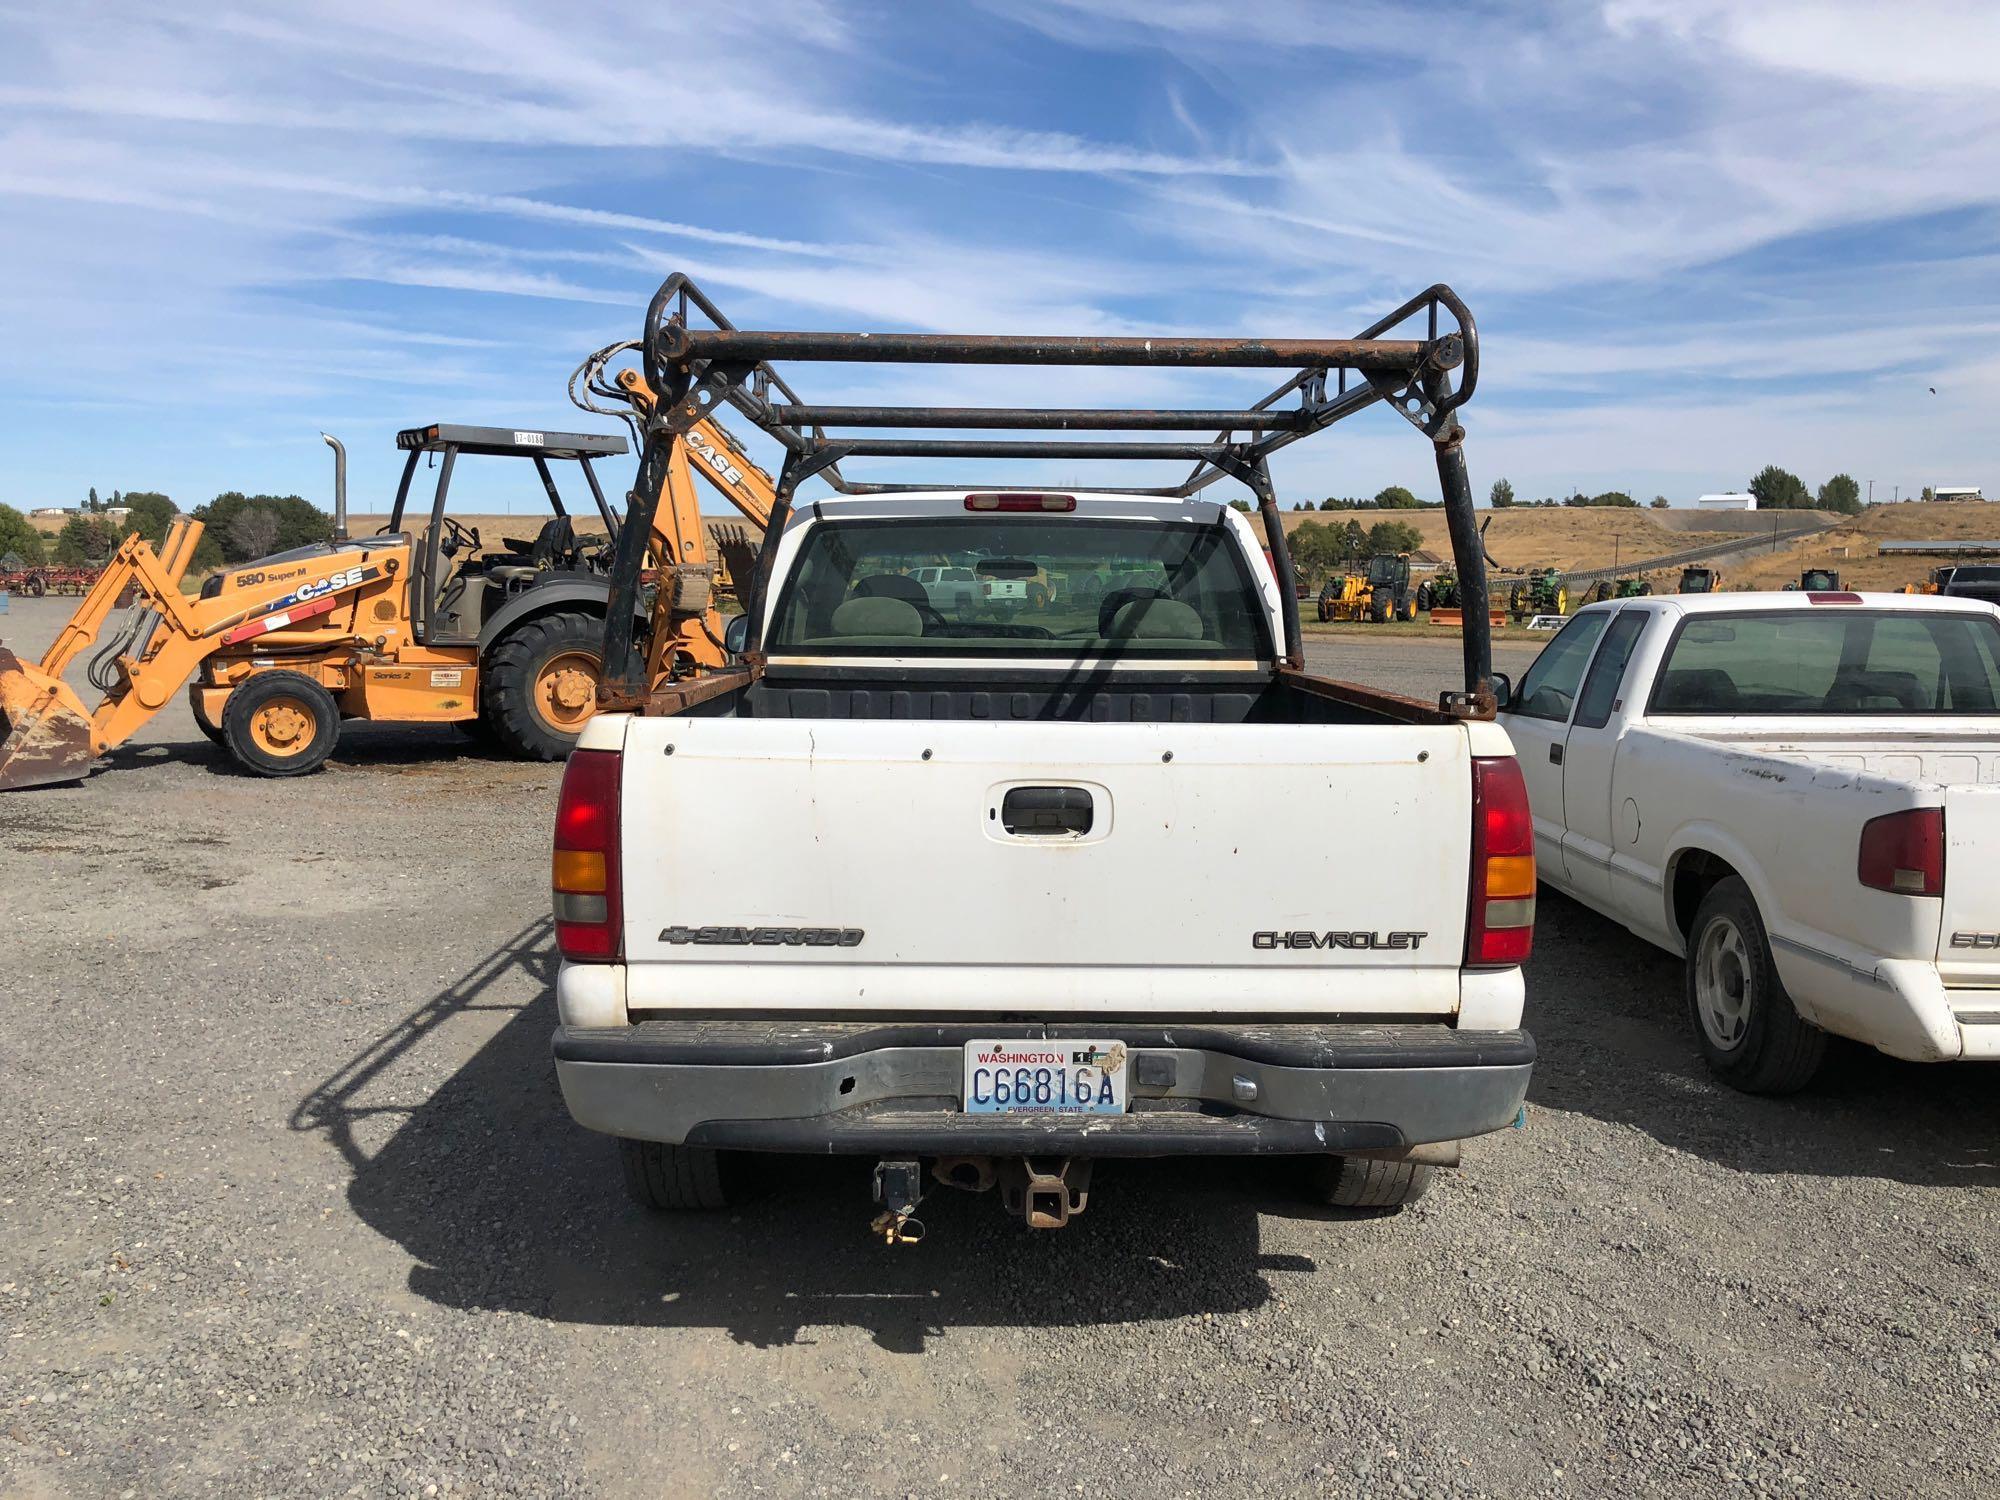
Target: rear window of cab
<point x="1020" y="585"/>
<point x="1831" y="659"/>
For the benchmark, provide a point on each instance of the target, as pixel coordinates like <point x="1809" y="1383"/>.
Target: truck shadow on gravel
<point x="1608" y="1016"/>
<point x="463" y="1154"/>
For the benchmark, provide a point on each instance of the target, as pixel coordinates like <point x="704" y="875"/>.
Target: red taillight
<point x="1500" y="915"/>
<point x="1904" y="852"/>
<point x="585" y="867"/>
<point x="1020" y="502"/>
<point x="1823" y="597"/>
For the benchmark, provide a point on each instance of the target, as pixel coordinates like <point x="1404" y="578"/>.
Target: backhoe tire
<point x="1749" y="1033"/>
<point x="212" y="732"/>
<point x="280" y="724"/>
<point x="1366" y="1182"/>
<point x="538" y="686"/>
<point x="1380" y="607"/>
<point x="673" y="1179"/>
<point x="1406" y="609"/>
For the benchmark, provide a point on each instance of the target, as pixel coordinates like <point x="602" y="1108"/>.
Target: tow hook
<point x="899" y="1188"/>
<point x="1048" y="1191"/>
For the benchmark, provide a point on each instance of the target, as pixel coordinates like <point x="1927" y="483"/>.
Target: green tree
<point x="1928" y="494"/>
<point x="1315" y="548"/>
<point x="1659" y="502"/>
<point x="1615" y="498"/>
<point x="1395" y="497"/>
<point x="1329" y="503"/>
<point x="85" y="540"/>
<point x="1780" y="489"/>
<point x="152" y="514"/>
<point x="1242" y="505"/>
<point x="1393" y="536"/>
<point x="299" y="523"/>
<point x="1353" y="541"/>
<point x="19" y="536"/>
<point x="1501" y="496"/>
<point x="92" y="505"/>
<point x="1841" y="494"/>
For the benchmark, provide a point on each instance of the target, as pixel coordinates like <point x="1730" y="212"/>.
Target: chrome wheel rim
<point x="1722" y="989"/>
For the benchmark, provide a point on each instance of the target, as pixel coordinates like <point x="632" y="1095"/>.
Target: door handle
<point x="1555" y="755"/>
<point x="1043" y="811"/>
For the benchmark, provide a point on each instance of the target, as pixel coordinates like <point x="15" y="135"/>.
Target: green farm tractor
<point x="1542" y="592"/>
<point x="1618" y="588"/>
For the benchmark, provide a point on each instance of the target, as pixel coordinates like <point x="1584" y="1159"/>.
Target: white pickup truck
<point x="1099" y="878"/>
<point x="1800" y="792"/>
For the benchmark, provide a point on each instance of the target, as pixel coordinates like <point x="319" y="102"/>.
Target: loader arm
<point x="687" y="625"/>
<point x="49" y="734"/>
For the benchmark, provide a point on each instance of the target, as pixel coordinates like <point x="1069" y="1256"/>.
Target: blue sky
<point x="1699" y="237"/>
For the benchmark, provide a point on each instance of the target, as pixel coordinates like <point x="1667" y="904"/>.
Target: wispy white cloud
<point x="1646" y="201"/>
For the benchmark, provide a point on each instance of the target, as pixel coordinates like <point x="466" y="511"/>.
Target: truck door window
<point x="1548" y="691"/>
<point x="1607" y="668"/>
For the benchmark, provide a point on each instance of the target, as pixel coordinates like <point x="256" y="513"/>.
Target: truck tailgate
<point x="866" y="866"/>
<point x="1969" y="935"/>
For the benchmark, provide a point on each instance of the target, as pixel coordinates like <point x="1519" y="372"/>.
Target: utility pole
<point x="1897" y="498"/>
<point x="1614" y="550"/>
<point x="1871" y="492"/>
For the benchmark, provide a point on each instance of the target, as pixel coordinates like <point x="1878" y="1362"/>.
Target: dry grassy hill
<point x="1539" y="538"/>
<point x="1851" y="548"/>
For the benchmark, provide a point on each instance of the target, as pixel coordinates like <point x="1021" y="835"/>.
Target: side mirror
<point x="736" y="634"/>
<point x="1503" y="690"/>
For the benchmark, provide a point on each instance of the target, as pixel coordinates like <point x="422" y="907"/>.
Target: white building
<point x="1725" y="502"/>
<point x="1956" y="492"/>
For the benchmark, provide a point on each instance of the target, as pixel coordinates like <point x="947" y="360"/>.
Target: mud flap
<point x="44" y="727"/>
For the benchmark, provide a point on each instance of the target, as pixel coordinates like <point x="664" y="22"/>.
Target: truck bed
<point x="1262" y="695"/>
<point x="1945" y="758"/>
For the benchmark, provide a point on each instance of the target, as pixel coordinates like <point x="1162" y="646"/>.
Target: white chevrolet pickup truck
<point x="1099" y="878"/>
<point x="1800" y="792"/>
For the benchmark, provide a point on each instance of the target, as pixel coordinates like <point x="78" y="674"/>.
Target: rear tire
<point x="539" y="686"/>
<point x="1426" y="600"/>
<point x="1366" y="1182"/>
<point x="1380" y="607"/>
<point x="673" y="1179"/>
<point x="280" y="724"/>
<point x="1749" y="1033"/>
<point x="213" y="732"/>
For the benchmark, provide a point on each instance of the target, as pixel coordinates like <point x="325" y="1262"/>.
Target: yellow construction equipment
<point x="1380" y="593"/>
<point x="423" y="628"/>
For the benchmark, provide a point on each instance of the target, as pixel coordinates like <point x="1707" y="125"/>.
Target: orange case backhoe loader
<point x="423" y="629"/>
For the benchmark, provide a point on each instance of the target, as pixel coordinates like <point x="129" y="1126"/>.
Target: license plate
<point x="1050" y="1077"/>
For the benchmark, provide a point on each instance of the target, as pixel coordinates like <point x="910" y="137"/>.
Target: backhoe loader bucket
<point x="44" y="727"/>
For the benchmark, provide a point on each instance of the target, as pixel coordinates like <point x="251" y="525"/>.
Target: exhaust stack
<point x="339" y="485"/>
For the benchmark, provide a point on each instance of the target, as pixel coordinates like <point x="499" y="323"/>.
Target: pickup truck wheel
<point x="1749" y="1033"/>
<point x="1366" y="1182"/>
<point x="673" y="1178"/>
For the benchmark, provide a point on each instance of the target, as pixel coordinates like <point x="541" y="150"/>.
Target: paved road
<point x="291" y="1207"/>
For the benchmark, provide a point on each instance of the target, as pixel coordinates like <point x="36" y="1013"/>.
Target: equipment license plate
<point x="1048" y="1077"/>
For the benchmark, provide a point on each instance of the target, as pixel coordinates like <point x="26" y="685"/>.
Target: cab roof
<point x="510" y="442"/>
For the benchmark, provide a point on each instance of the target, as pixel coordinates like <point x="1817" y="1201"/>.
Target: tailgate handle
<point x="1555" y="755"/>
<point x="1039" y="811"/>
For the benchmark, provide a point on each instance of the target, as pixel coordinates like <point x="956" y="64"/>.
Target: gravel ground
<point x="291" y="1207"/>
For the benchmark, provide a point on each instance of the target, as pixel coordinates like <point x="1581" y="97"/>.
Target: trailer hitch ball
<point x="899" y="1188"/>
